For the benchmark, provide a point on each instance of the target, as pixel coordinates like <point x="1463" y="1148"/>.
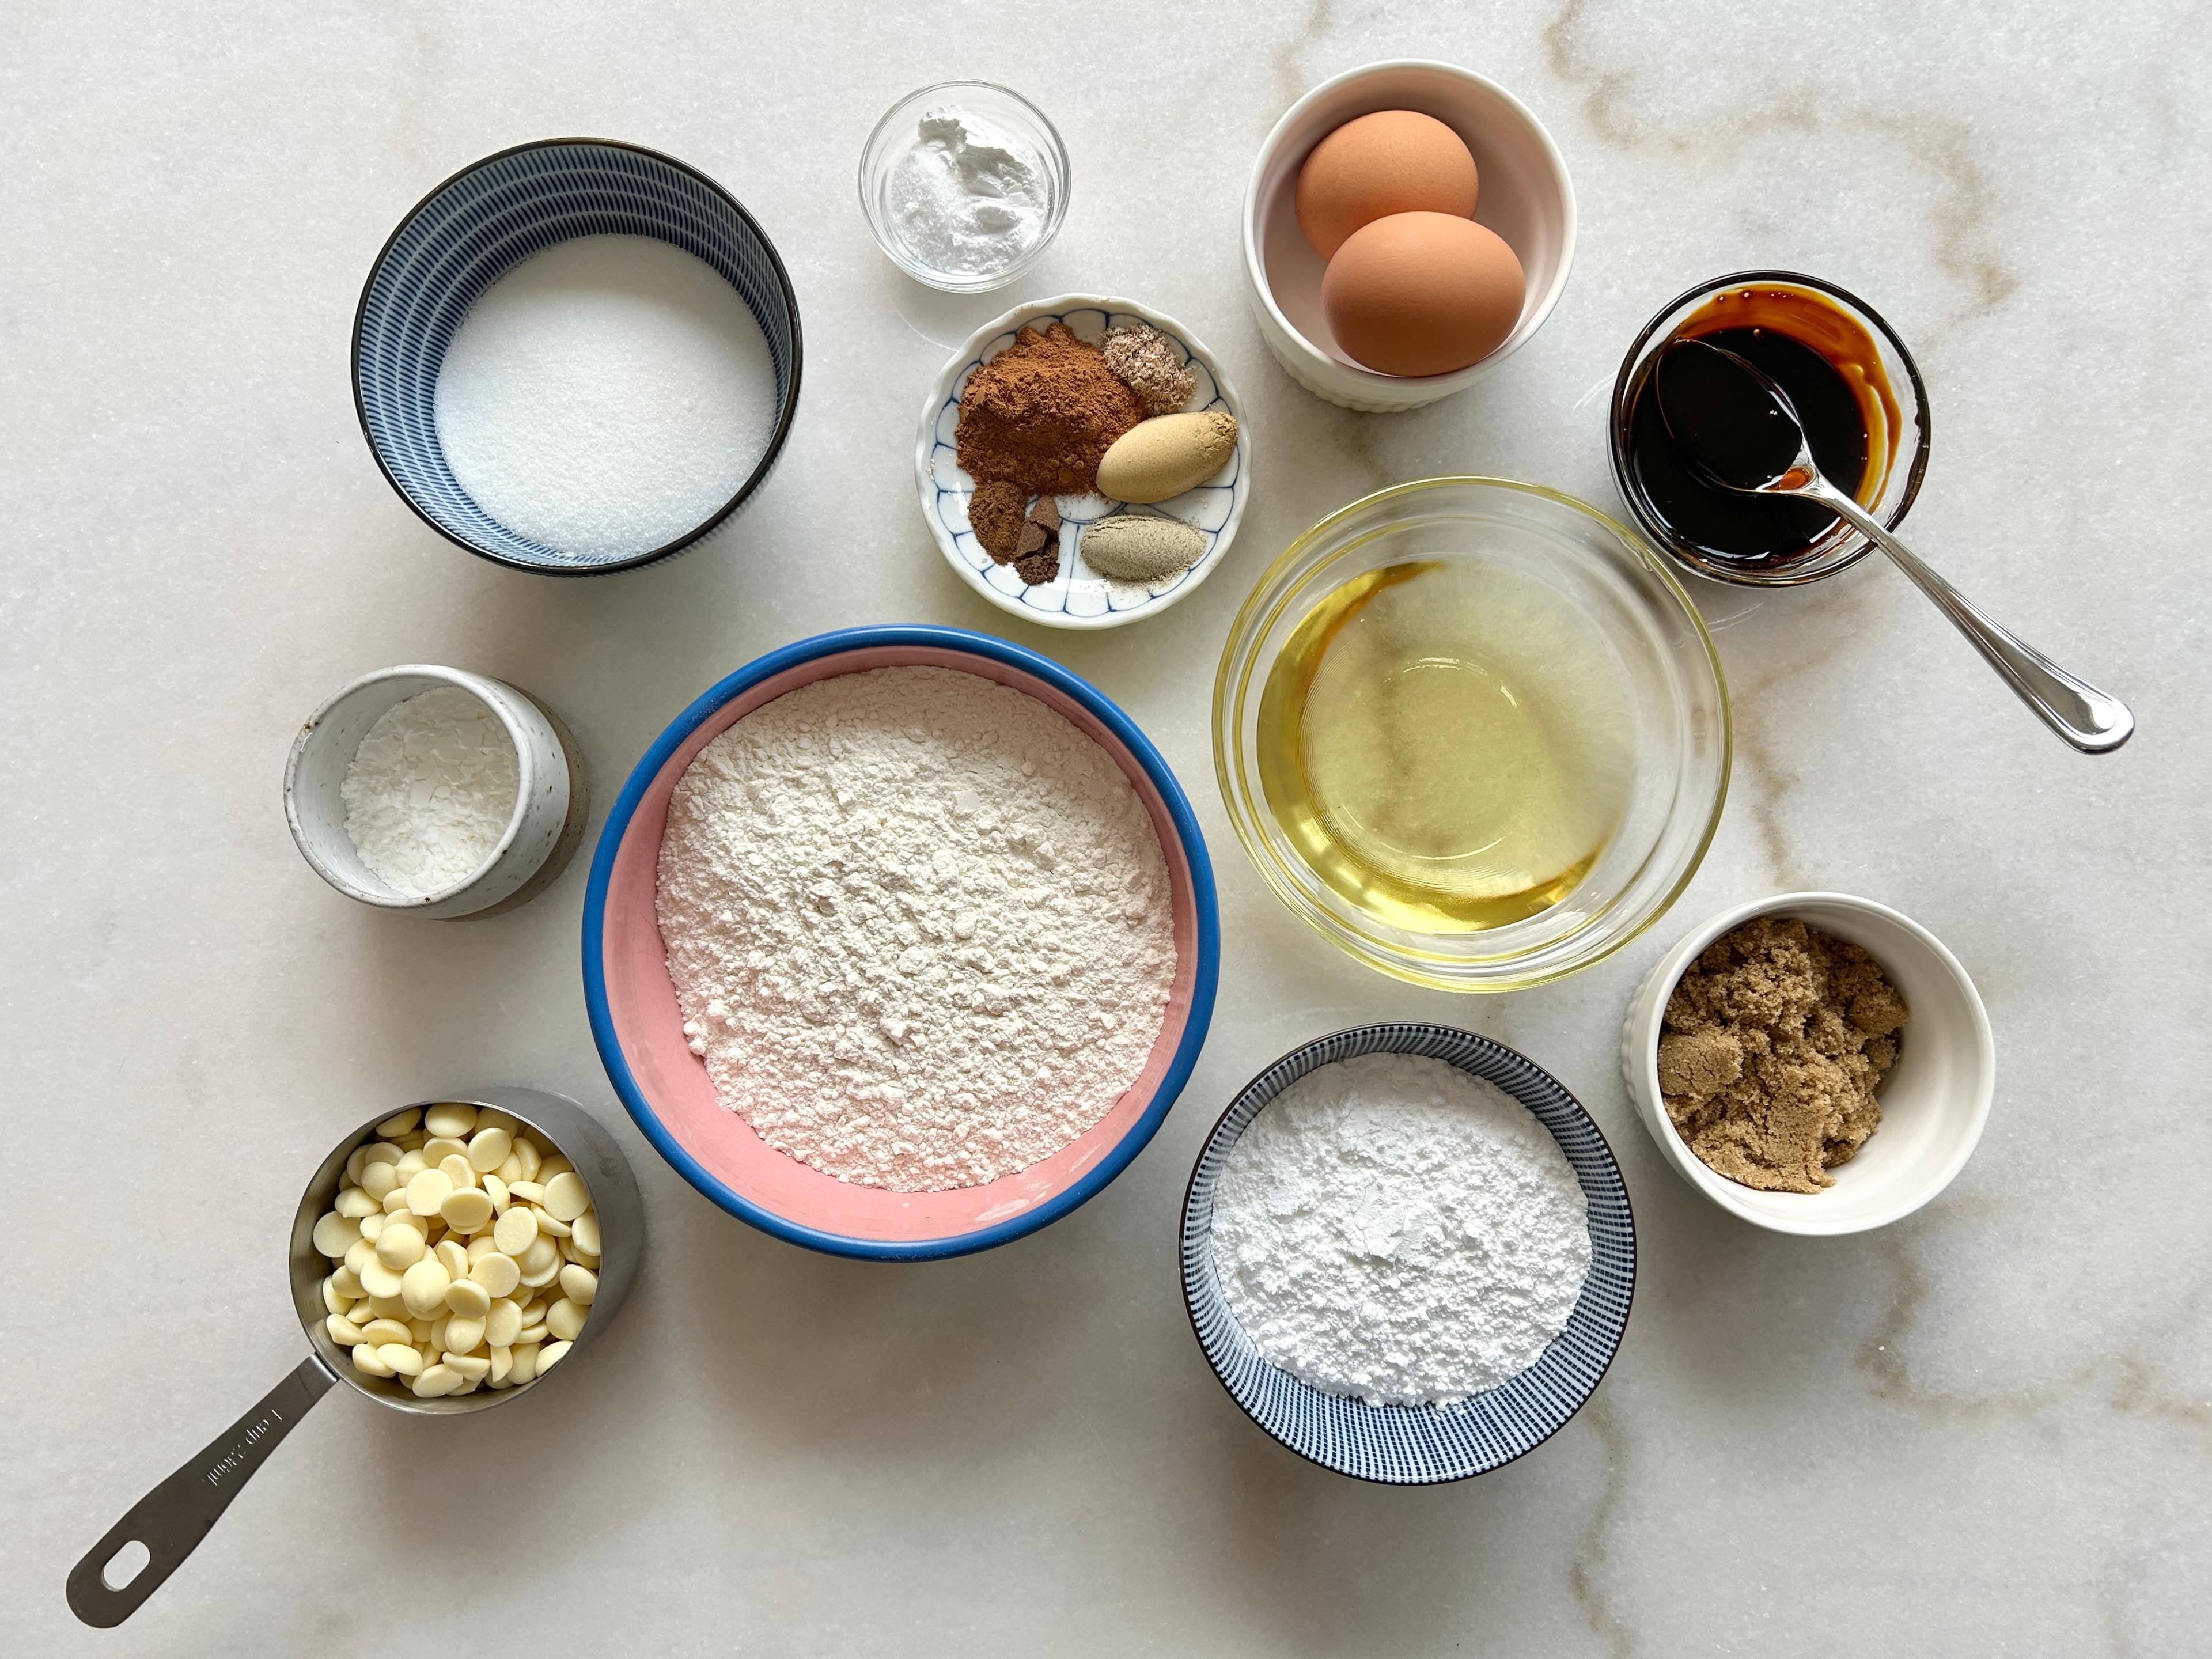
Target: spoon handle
<point x="2094" y="721"/>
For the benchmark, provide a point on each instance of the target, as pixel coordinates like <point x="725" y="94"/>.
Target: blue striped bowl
<point x="1418" y="1445"/>
<point x="469" y="231"/>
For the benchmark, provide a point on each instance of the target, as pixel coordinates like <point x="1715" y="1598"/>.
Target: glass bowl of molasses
<point x="1857" y="393"/>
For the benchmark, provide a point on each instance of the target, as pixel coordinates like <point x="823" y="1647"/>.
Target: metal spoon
<point x="1705" y="390"/>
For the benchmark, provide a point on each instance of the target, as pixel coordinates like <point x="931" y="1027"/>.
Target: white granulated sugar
<point x="918" y="925"/>
<point x="605" y="396"/>
<point x="429" y="792"/>
<point x="1391" y="1228"/>
<point x="967" y="199"/>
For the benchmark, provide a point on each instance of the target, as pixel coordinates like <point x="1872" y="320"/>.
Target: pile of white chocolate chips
<point x="467" y="1253"/>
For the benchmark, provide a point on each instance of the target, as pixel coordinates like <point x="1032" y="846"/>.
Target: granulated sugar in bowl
<point x="901" y="942"/>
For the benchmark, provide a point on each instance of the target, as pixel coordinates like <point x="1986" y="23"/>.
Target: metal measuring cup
<point x="171" y="1520"/>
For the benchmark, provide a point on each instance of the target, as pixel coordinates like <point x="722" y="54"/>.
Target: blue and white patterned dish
<point x="1077" y="597"/>
<point x="1414" y="1446"/>
<point x="469" y="231"/>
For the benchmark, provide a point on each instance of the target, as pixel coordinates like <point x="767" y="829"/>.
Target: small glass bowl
<point x="894" y="136"/>
<point x="1675" y="695"/>
<point x="1842" y="546"/>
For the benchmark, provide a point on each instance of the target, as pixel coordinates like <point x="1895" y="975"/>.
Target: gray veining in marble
<point x="1988" y="1430"/>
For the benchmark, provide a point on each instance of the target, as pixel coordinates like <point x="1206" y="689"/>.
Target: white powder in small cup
<point x="431" y="790"/>
<point x="1390" y="1228"/>
<point x="918" y="925"/>
<point x="967" y="200"/>
<point x="606" y="396"/>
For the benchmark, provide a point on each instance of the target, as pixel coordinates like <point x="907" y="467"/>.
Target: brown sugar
<point x="1771" y="1052"/>
<point x="1042" y="413"/>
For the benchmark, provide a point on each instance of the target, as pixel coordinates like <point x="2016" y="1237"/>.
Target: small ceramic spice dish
<point x="552" y="796"/>
<point x="1934" y="1100"/>
<point x="1077" y="597"/>
<point x="1420" y="1446"/>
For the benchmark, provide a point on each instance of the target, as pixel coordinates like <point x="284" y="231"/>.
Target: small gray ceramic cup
<point x="551" y="799"/>
<point x="170" y="1521"/>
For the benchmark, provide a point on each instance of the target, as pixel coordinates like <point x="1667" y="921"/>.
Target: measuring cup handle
<point x="171" y="1520"/>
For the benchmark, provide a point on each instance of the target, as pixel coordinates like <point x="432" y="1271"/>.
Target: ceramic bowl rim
<point x="785" y="415"/>
<point x="1719" y="1188"/>
<point x="1368" y="379"/>
<point x="1397" y="1029"/>
<point x="940" y="391"/>
<point x="1205" y="905"/>
<point x="525" y="785"/>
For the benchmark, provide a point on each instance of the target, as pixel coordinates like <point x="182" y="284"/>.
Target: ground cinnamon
<point x="1042" y="413"/>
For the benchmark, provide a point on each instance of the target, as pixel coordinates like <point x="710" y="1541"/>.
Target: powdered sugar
<point x="431" y="790"/>
<point x="918" y="925"/>
<point x="1392" y="1228"/>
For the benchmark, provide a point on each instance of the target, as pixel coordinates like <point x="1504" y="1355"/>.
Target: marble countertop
<point x="1987" y="1429"/>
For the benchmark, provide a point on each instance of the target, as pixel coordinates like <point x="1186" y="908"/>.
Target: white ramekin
<point x="1934" y="1103"/>
<point x="1524" y="195"/>
<point x="551" y="799"/>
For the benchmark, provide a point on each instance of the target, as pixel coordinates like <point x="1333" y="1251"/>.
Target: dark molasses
<point x="1830" y="369"/>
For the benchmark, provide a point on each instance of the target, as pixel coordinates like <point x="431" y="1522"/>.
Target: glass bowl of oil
<point x="1472" y="731"/>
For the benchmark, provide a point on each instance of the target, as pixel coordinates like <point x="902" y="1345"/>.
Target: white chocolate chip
<point x="468" y="1210"/>
<point x="427" y="1190"/>
<point x="403" y="1359"/>
<point x="498" y="1273"/>
<point x="423" y="1289"/>
<point x="555" y="1351"/>
<point x="370" y="1360"/>
<point x="335" y="1234"/>
<point x="567" y="1196"/>
<point x="450" y="1118"/>
<point x="488" y="1149"/>
<point x="502" y="1323"/>
<point x="515" y="1231"/>
<point x="578" y="1284"/>
<point x="585" y="1229"/>
<point x="435" y="1381"/>
<point x="564" y="1319"/>
<point x="343" y="1331"/>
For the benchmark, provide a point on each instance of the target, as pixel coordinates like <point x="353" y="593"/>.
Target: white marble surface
<point x="1987" y="1429"/>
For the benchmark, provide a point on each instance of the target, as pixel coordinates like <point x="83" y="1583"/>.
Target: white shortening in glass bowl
<point x="1077" y="597"/>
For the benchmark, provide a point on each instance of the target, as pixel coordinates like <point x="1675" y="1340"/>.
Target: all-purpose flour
<point x="1392" y="1228"/>
<point x="918" y="924"/>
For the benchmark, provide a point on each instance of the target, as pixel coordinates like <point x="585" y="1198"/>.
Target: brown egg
<point x="1422" y="294"/>
<point x="1392" y="161"/>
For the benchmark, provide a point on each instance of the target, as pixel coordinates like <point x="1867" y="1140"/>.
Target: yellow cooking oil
<point x="1448" y="743"/>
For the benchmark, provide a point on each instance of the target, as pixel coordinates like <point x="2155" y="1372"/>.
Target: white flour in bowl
<point x="1392" y="1228"/>
<point x="918" y="925"/>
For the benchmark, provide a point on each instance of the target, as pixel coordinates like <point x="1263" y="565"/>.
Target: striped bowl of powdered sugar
<point x="1421" y="1444"/>
<point x="475" y="229"/>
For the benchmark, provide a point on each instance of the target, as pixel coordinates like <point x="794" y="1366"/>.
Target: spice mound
<point x="1771" y="1052"/>
<point x="918" y="925"/>
<point x="1148" y="360"/>
<point x="1043" y="414"/>
<point x="1391" y="1228"/>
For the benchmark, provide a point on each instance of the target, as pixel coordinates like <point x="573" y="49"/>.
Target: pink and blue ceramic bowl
<point x="638" y="1027"/>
